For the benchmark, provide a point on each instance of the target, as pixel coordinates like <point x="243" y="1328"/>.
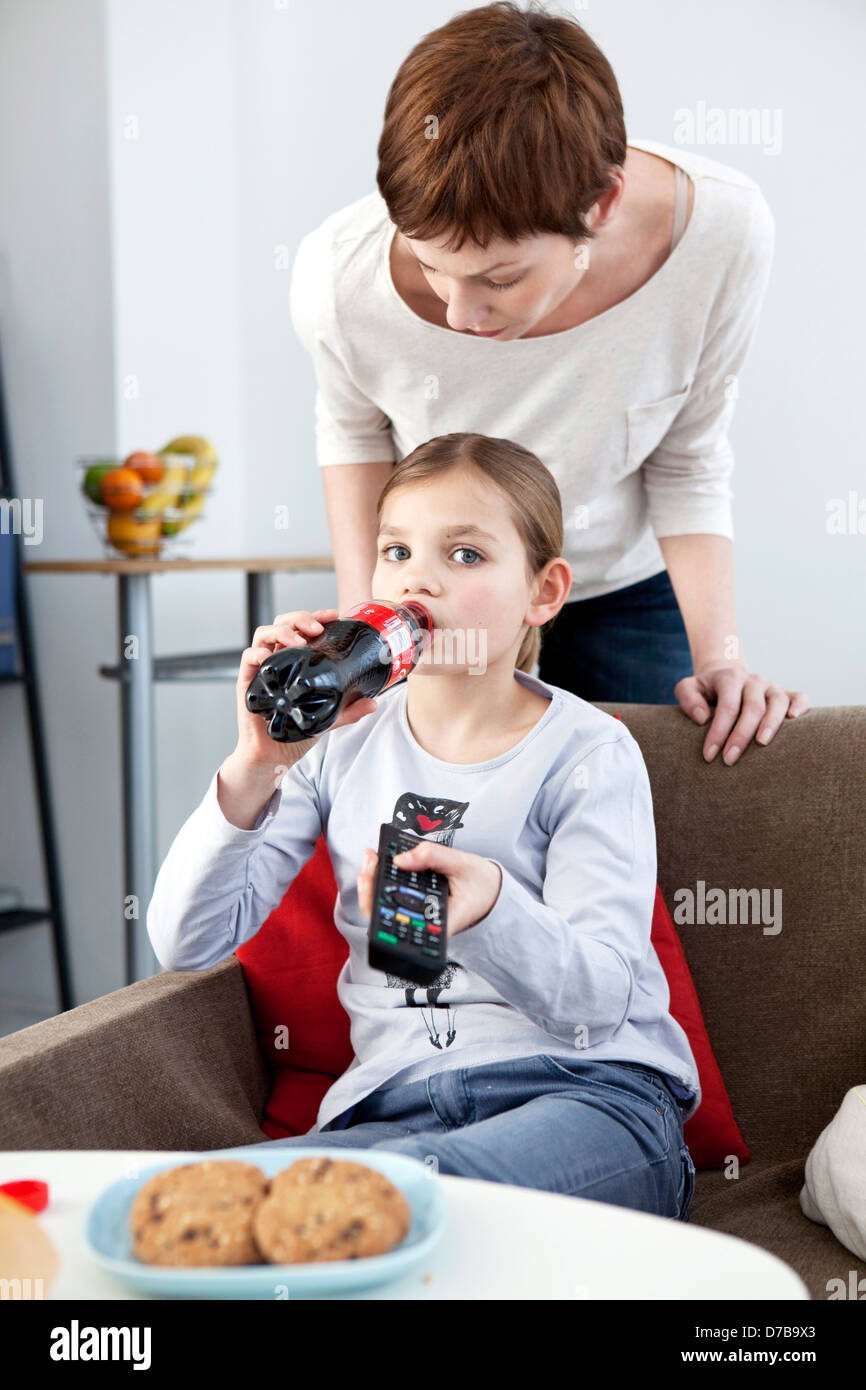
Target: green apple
<point x="93" y="478"/>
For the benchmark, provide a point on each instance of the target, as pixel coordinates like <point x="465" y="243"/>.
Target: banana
<point x="190" y="509"/>
<point x="171" y="484"/>
<point x="201" y="477"/>
<point x="182" y="488"/>
<point x="196" y="444"/>
<point x="174" y="477"/>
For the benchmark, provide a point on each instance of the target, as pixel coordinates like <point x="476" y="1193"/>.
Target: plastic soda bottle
<point x="302" y="689"/>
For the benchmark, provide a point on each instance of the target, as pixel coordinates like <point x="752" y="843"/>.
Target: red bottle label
<point x="395" y="633"/>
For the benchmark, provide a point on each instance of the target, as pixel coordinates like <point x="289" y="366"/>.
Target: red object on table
<point x="30" y="1192"/>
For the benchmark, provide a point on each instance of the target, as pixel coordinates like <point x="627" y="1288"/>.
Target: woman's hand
<point x="473" y="882"/>
<point x="744" y="703"/>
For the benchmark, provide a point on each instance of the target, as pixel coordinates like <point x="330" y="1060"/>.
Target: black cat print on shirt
<point x="433" y="818"/>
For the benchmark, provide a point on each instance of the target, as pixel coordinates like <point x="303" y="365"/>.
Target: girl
<point x="544" y="1054"/>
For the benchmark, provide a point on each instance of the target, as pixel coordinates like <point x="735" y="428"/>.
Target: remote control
<point x="408" y="933"/>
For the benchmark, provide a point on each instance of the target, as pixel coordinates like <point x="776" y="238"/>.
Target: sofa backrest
<point x="785" y="1008"/>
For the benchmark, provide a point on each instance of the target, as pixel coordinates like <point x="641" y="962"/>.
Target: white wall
<point x="56" y="320"/>
<point x="158" y="258"/>
<point x="801" y="593"/>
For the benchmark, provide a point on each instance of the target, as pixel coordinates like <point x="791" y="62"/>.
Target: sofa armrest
<point x="170" y="1062"/>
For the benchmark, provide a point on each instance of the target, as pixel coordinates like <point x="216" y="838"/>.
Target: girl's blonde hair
<point x="531" y="490"/>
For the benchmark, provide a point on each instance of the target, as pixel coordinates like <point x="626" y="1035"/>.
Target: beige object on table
<point x="26" y="1252"/>
<point x="834" y="1193"/>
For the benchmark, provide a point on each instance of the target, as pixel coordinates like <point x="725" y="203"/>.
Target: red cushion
<point x="291" y="967"/>
<point x="712" y="1133"/>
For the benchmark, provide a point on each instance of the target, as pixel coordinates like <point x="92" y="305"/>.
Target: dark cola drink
<point x="301" y="690"/>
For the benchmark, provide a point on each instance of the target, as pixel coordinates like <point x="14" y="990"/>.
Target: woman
<point x="525" y="273"/>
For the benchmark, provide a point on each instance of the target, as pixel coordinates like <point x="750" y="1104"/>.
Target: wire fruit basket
<point x="144" y="505"/>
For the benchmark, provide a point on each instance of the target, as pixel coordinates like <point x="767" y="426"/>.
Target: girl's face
<point x="511" y="287"/>
<point x="475" y="585"/>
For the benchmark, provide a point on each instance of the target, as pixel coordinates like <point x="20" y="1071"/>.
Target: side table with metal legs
<point x="137" y="669"/>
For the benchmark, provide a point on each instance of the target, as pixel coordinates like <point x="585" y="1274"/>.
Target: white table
<point x="500" y="1242"/>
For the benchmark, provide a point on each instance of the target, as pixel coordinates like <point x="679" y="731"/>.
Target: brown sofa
<point x="173" y="1062"/>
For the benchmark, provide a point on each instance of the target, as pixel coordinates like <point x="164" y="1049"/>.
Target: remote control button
<point x="412" y="902"/>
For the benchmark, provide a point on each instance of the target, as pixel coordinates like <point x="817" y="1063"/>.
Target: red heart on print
<point x="426" y="824"/>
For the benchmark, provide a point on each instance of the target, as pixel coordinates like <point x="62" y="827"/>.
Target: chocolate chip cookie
<point x="328" y="1209"/>
<point x="198" y="1214"/>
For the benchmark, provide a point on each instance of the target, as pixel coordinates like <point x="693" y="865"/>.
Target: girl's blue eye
<point x="395" y="545"/>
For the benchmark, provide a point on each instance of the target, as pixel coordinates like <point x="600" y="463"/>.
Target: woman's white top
<point x="630" y="411"/>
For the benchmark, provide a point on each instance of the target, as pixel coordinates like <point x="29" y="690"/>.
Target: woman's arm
<point x="687" y="476"/>
<point x="351" y="429"/>
<point x="701" y="569"/>
<point x="687" y="483"/>
<point x="351" y="493"/>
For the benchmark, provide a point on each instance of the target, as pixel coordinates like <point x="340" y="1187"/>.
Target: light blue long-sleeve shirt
<point x="562" y="965"/>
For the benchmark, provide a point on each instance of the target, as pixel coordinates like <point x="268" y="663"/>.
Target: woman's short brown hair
<point x="502" y="123"/>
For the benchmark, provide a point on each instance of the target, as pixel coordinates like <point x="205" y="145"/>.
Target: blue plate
<point x="108" y="1238"/>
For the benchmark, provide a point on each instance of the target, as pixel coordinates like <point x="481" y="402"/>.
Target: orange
<point x="133" y="537"/>
<point x="121" y="489"/>
<point x="149" y="467"/>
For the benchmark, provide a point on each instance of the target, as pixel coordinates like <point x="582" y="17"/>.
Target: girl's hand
<point x="760" y="704"/>
<point x="473" y="882"/>
<point x="255" y="748"/>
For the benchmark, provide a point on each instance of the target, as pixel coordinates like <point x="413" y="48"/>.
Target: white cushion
<point x="834" y="1193"/>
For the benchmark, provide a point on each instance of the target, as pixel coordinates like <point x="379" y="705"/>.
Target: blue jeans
<point x="629" y="646"/>
<point x="607" y="1131"/>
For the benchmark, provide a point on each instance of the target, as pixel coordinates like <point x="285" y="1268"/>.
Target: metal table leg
<point x="139" y="774"/>
<point x="137" y="672"/>
<point x="260" y="601"/>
